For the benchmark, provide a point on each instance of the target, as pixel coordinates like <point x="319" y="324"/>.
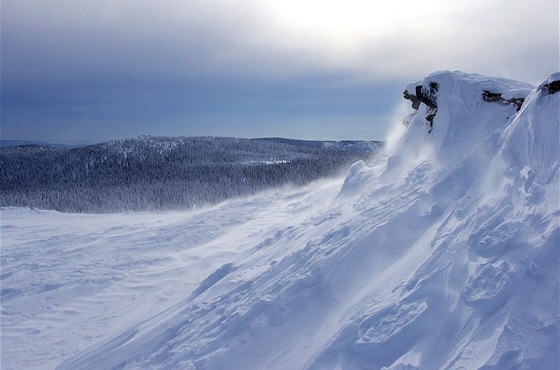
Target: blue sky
<point x="89" y="71"/>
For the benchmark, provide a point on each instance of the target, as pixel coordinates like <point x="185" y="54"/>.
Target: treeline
<point x="157" y="173"/>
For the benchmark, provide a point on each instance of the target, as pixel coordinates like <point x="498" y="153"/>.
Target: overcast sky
<point x="89" y="71"/>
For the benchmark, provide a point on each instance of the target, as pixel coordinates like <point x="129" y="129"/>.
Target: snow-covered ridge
<point x="442" y="254"/>
<point x="463" y="112"/>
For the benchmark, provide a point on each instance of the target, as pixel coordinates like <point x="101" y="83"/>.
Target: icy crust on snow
<point x="442" y="254"/>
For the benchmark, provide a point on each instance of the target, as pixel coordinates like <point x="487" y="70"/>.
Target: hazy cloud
<point x="170" y="67"/>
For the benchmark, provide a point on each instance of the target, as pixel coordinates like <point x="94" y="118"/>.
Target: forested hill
<point x="162" y="173"/>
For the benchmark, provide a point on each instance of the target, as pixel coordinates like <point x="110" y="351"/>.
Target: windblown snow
<point x="442" y="254"/>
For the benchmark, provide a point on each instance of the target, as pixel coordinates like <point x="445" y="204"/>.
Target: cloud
<point x="181" y="60"/>
<point x="410" y="38"/>
<point x="278" y="37"/>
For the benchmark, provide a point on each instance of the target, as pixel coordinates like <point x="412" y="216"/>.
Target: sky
<point x="90" y="71"/>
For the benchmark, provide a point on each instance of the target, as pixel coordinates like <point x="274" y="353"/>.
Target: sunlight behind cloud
<point x="349" y="21"/>
<point x="371" y="39"/>
<point x="399" y="37"/>
<point x="352" y="14"/>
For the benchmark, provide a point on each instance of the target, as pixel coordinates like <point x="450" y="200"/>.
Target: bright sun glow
<point x="351" y="32"/>
<point x="351" y="16"/>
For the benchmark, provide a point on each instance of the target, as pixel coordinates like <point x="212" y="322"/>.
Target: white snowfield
<point x="442" y="254"/>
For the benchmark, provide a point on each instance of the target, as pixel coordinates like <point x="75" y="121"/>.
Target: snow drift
<point x="442" y="254"/>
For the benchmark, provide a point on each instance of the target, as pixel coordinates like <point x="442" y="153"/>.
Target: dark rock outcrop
<point x="493" y="97"/>
<point x="552" y="87"/>
<point x="428" y="96"/>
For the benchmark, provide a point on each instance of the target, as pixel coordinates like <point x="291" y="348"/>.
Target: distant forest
<point x="165" y="173"/>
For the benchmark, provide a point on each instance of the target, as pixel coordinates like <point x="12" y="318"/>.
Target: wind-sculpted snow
<point x="442" y="254"/>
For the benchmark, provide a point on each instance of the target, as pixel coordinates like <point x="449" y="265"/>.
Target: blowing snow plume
<point x="442" y="254"/>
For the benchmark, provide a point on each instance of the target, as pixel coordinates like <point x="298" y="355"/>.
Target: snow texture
<point x="442" y="254"/>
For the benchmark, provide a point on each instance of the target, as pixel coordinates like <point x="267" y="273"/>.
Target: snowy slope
<point x="443" y="254"/>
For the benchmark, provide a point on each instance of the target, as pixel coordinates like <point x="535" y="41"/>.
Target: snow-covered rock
<point x="442" y="254"/>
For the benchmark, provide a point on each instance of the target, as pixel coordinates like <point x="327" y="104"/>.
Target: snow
<point x="441" y="254"/>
